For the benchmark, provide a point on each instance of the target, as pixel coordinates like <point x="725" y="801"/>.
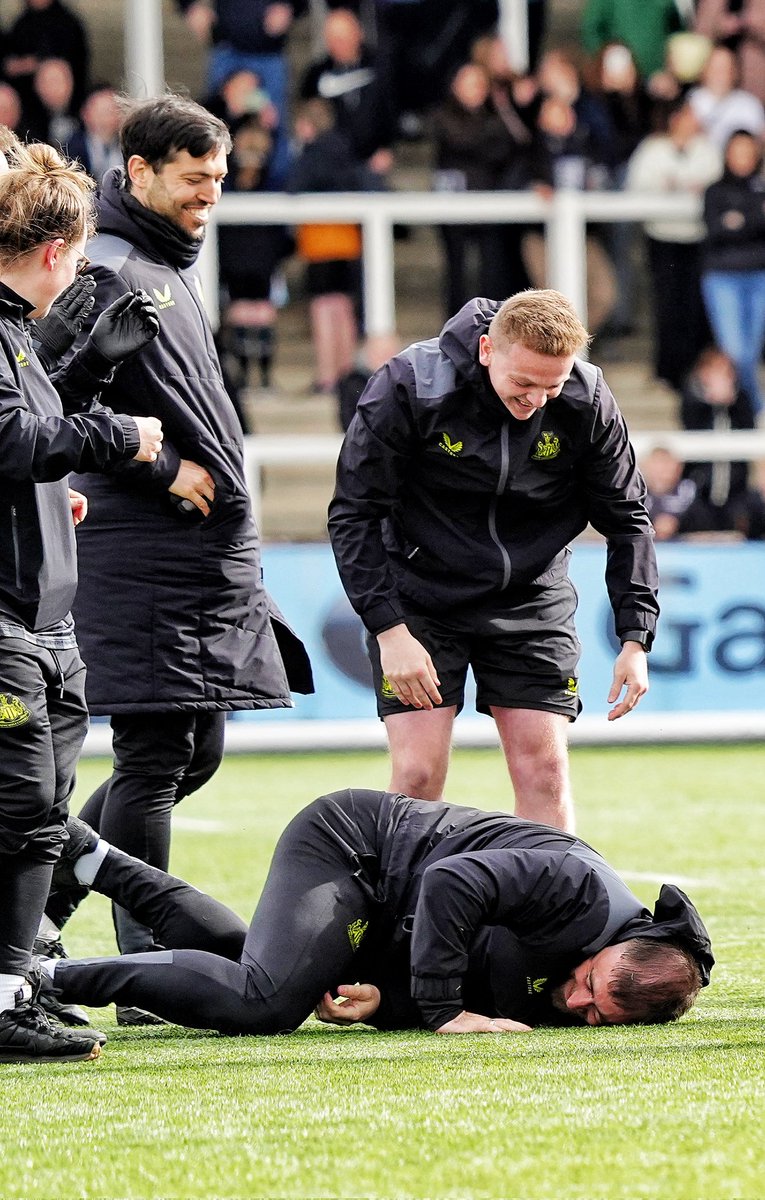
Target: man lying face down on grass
<point x="453" y="919"/>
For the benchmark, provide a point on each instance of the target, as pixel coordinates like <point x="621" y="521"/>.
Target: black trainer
<point x="82" y="839"/>
<point x="59" y="1014"/>
<point x="28" y="1034"/>
<point x="66" y="891"/>
<point x="129" y="1015"/>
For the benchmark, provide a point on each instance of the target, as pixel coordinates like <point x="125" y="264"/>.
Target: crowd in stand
<point x="661" y="97"/>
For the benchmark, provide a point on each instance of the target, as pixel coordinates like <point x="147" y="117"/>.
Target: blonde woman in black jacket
<point x="45" y="217"/>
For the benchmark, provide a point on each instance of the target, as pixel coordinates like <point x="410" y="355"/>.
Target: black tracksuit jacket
<point x="442" y="497"/>
<point x="39" y="446"/>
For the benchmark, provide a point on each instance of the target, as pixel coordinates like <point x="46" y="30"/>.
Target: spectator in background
<point x="733" y="264"/>
<point x="616" y="83"/>
<point x="682" y="159"/>
<point x="10" y="108"/>
<point x="97" y="143"/>
<point x="739" y="25"/>
<point x="326" y="163"/>
<point x="52" y="116"/>
<point x="46" y="29"/>
<point x="670" y="496"/>
<point x="422" y="43"/>
<point x="643" y="25"/>
<point x="571" y="148"/>
<point x="350" y="78"/>
<point x="251" y="35"/>
<point x="720" y="105"/>
<point x="249" y="254"/>
<point x="712" y="398"/>
<point x="514" y="99"/>
<point x="473" y="152"/>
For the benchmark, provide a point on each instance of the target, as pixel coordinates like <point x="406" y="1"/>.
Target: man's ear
<point x="484" y="349"/>
<point x="139" y="172"/>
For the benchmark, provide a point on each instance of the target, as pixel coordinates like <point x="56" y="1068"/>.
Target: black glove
<point x="125" y="327"/>
<point x="55" y="333"/>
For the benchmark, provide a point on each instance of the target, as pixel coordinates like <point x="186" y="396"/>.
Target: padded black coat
<point x="171" y="612"/>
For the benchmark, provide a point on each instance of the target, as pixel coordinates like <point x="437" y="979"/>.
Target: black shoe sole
<point x="10" y="1057"/>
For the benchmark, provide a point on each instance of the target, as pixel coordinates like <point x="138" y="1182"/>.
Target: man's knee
<point x="31" y="823"/>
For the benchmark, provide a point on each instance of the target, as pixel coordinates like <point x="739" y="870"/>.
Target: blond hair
<point x="43" y="196"/>
<point x="541" y="320"/>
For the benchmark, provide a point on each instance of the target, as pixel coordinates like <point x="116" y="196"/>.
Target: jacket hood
<point x="121" y="214"/>
<point x="459" y="337"/>
<point x="675" y="919"/>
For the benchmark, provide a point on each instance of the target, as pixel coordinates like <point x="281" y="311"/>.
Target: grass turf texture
<point x="672" y="1112"/>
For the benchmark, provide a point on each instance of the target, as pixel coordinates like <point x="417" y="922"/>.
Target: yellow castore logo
<point x="164" y="298"/>
<point x="452" y="448"/>
<point x="21" y="358"/>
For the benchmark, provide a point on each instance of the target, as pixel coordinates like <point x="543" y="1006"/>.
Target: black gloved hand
<point x="125" y="326"/>
<point x="55" y="333"/>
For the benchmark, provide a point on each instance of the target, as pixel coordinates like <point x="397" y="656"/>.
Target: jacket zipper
<point x="16" y="549"/>
<point x="504" y="471"/>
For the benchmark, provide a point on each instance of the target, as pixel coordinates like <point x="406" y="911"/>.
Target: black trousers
<point x="681" y="325"/>
<point x="314" y="914"/>
<point x="159" y="758"/>
<point x="43" y="721"/>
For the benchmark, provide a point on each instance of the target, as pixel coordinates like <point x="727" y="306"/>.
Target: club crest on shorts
<point x="547" y="447"/>
<point x="356" y="931"/>
<point x="12" y="711"/>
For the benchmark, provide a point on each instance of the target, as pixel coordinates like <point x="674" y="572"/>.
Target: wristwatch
<point x="641" y="636"/>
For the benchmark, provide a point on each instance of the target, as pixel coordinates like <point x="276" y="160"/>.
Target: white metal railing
<point x="565" y="217"/>
<point x="272" y="450"/>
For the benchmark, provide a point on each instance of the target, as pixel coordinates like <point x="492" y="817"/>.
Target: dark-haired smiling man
<point x="175" y="625"/>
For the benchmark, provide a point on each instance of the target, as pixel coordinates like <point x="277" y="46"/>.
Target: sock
<point x="48" y="965"/>
<point x="9" y="985"/>
<point x="86" y="867"/>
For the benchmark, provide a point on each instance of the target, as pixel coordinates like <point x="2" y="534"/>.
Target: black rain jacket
<point x="444" y="498"/>
<point x="39" y="446"/>
<point x="487" y="912"/>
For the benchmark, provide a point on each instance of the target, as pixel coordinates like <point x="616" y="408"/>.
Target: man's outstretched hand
<point x="468" y="1022"/>
<point x="126" y="326"/>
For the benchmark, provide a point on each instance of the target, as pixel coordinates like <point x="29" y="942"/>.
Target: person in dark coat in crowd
<point x="46" y="212"/>
<point x="454" y="920"/>
<point x="46" y="29"/>
<point x="733" y="260"/>
<point x="474" y="151"/>
<point x="350" y="78"/>
<point x="473" y="460"/>
<point x="175" y="624"/>
<point x="712" y="398"/>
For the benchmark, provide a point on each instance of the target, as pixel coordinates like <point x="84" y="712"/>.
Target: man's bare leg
<point x="420" y="742"/>
<point x="535" y="745"/>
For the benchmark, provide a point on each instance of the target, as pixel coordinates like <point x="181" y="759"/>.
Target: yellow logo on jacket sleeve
<point x="12" y="711"/>
<point x="21" y="358"/>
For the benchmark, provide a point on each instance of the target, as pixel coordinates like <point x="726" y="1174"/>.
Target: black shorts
<point x="522" y="656"/>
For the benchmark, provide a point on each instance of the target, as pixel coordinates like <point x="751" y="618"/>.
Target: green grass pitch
<point x="674" y="1113"/>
